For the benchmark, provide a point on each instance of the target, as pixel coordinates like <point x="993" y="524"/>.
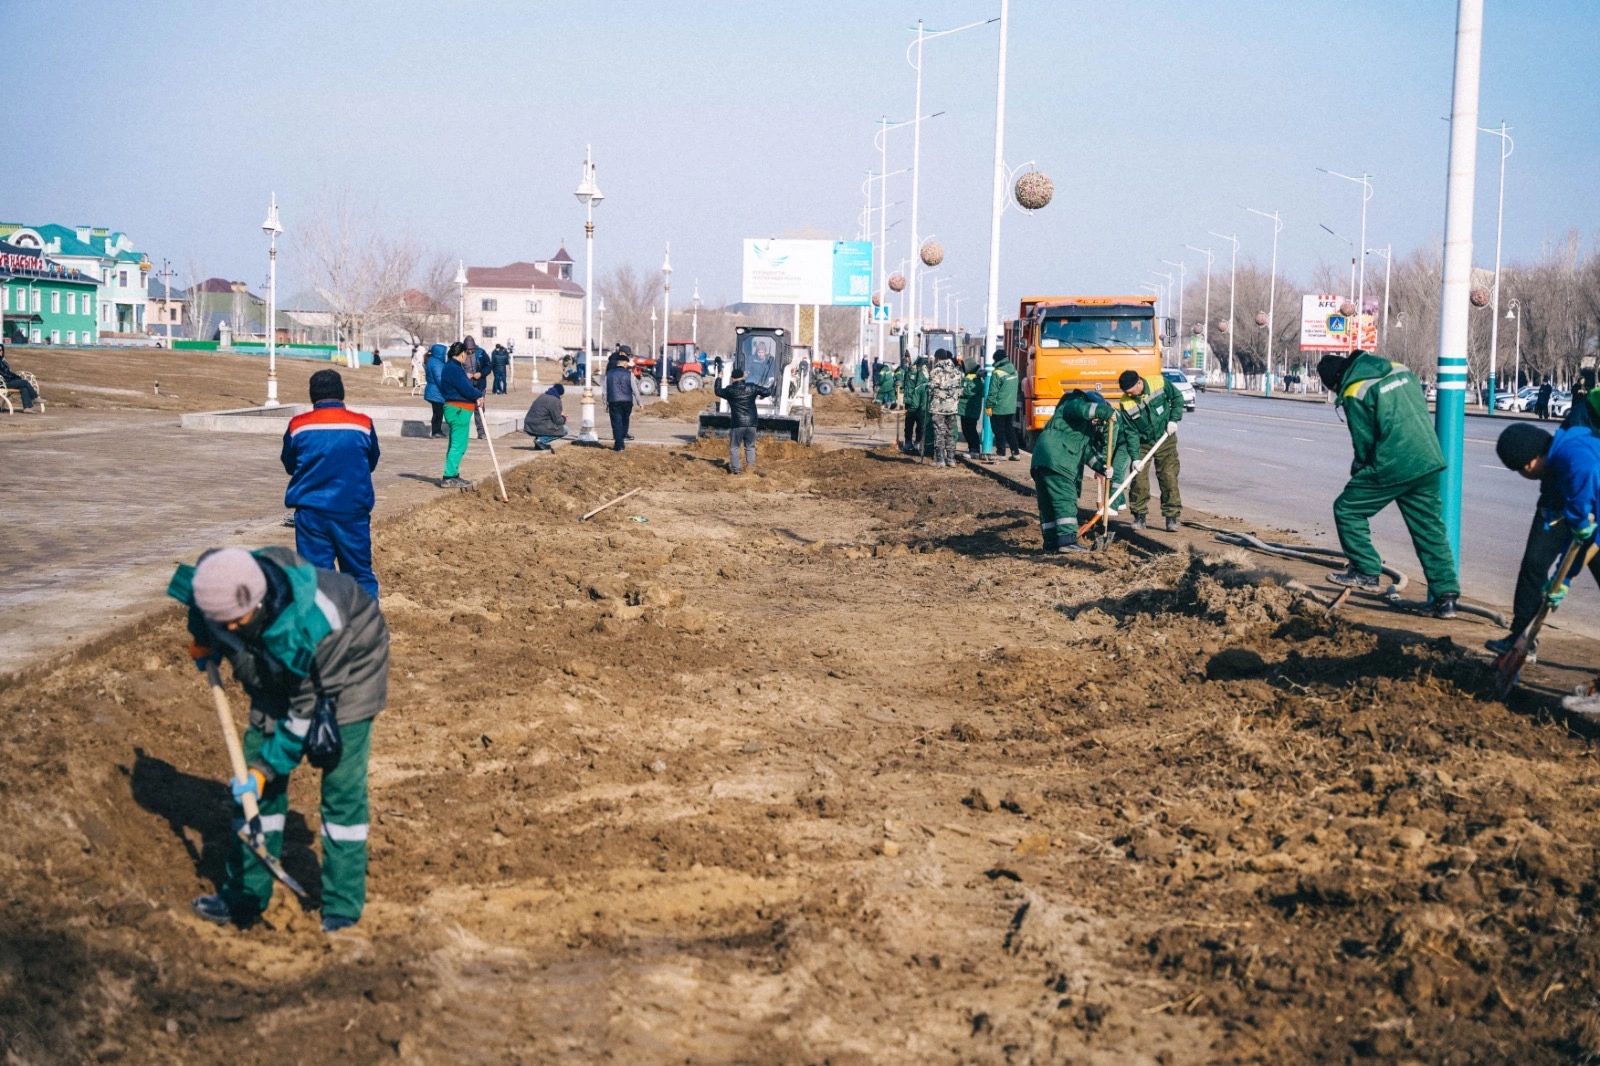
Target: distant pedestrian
<point x="742" y="419"/>
<point x="460" y="405"/>
<point x="1542" y="404"/>
<point x="438" y="357"/>
<point x="622" y="394"/>
<point x="329" y="453"/>
<point x="377" y="359"/>
<point x="12" y="380"/>
<point x="944" y="406"/>
<point x="545" y="421"/>
<point x="1002" y="409"/>
<point x="499" y="361"/>
<point x="417" y="368"/>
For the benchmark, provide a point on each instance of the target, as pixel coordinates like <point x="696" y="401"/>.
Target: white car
<point x="1185" y="389"/>
<point x="1560" y="404"/>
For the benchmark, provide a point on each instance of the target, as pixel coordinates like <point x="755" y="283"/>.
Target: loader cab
<point x="761" y="353"/>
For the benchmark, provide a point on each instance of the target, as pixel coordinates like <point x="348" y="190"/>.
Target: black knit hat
<point x="1331" y="370"/>
<point x="1520" y="444"/>
<point x="1127" y="379"/>
<point x="326" y="385"/>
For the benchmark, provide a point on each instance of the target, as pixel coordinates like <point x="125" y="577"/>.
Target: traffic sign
<point x="880" y="313"/>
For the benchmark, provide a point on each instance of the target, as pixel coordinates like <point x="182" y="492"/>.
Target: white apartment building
<point x="536" y="307"/>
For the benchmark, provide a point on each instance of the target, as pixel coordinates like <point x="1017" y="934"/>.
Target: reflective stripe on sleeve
<point x="344" y="832"/>
<point x="298" y="726"/>
<point x="270" y="823"/>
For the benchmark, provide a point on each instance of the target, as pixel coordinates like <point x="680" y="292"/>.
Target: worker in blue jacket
<point x="438" y="355"/>
<point x="329" y="453"/>
<point x="461" y="399"/>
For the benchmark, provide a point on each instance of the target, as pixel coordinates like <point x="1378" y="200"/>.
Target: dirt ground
<point x="823" y="765"/>
<point x="838" y="408"/>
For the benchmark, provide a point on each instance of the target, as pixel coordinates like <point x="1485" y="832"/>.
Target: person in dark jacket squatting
<point x="545" y="421"/>
<point x="329" y="453"/>
<point x="308" y="645"/>
<point x="742" y="418"/>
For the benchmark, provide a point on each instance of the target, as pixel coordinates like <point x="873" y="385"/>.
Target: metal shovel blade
<point x="258" y="846"/>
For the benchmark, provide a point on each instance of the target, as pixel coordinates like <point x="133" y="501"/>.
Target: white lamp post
<point x="1233" y="267"/>
<point x="1387" y="251"/>
<point x="694" y="322"/>
<point x="271" y="227"/>
<point x="1272" y="293"/>
<point x="461" y="298"/>
<point x="997" y="204"/>
<point x="600" y="344"/>
<point x="653" y="331"/>
<point x="1515" y="305"/>
<point x="666" y="318"/>
<point x="1166" y="301"/>
<point x="1352" y="245"/>
<point x="1183" y="276"/>
<point x="588" y="194"/>
<point x="1205" y="322"/>
<point x="1507" y="145"/>
<point x="1366" y="194"/>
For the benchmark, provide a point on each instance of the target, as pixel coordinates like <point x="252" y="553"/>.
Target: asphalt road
<point x="1278" y="464"/>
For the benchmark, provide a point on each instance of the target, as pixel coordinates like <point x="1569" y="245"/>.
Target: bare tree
<point x="630" y="296"/>
<point x="422" y="312"/>
<point x="194" y="305"/>
<point x="357" y="268"/>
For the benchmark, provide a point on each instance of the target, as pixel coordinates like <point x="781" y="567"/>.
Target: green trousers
<point x="248" y="884"/>
<point x="1423" y="510"/>
<point x="459" y="421"/>
<point x="1058" y="505"/>
<point x="1166" y="464"/>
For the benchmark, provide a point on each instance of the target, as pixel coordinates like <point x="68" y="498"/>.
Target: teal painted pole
<point x="1450" y="416"/>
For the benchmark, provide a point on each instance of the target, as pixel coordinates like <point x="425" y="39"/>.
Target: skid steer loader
<point x="763" y="353"/>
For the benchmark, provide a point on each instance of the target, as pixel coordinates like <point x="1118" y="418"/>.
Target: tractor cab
<point x="763" y="355"/>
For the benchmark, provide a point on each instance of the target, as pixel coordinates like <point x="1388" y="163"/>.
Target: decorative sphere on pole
<point x="1222" y="326"/>
<point x="877" y="299"/>
<point x="897" y="282"/>
<point x="1261" y="318"/>
<point x="1480" y="297"/>
<point x="1347" y="308"/>
<point x="1034" y="190"/>
<point x="932" y="253"/>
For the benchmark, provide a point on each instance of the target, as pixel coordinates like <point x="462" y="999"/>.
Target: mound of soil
<point x="821" y="764"/>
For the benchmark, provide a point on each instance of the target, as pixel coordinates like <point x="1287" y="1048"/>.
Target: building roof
<point x="89" y="242"/>
<point x="561" y="256"/>
<point x="221" y="285"/>
<point x="158" y="291"/>
<point x="520" y="275"/>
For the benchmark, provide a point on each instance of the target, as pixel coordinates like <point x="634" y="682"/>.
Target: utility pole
<point x="1507" y="146"/>
<point x="1233" y="268"/>
<point x="1205" y="323"/>
<point x="1272" y="294"/>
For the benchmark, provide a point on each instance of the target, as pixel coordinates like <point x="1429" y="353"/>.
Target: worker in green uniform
<point x="1065" y="444"/>
<point x="1397" y="460"/>
<point x="1151" y="404"/>
<point x="885" y="380"/>
<point x="1003" y="381"/>
<point x="973" y="387"/>
<point x="1124" y="449"/>
<point x="915" y="393"/>
<point x="900" y="381"/>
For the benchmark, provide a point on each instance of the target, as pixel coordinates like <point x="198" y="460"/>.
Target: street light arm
<point x="927" y="35"/>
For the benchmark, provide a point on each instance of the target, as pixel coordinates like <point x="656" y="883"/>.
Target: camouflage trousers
<point x="944" y="437"/>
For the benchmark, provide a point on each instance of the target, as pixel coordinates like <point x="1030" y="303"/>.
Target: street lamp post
<point x="1183" y="277"/>
<point x="1516" y="305"/>
<point x="666" y="318"/>
<point x="461" y="298"/>
<point x="1165" y="301"/>
<point x="1507" y="146"/>
<point x="588" y="194"/>
<point x="653" y="329"/>
<point x="1352" y="245"/>
<point x="1233" y="267"/>
<point x="600" y="343"/>
<point x="1205" y="322"/>
<point x="166" y="309"/>
<point x="694" y="321"/>
<point x="271" y="227"/>
<point x="1387" y="251"/>
<point x="998" y="199"/>
<point x="1272" y="294"/>
<point x="1366" y="194"/>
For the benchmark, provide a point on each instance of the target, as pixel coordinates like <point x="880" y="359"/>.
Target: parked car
<point x="1521" y="400"/>
<point x="1197" y="378"/>
<point x="1560" y="403"/>
<point x="1185" y="389"/>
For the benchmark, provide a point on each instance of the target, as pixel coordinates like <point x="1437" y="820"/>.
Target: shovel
<point x="489" y="439"/>
<point x="1509" y="666"/>
<point x="251" y="832"/>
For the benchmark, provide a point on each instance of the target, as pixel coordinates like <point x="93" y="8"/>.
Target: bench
<point x="393" y="371"/>
<point x="7" y="390"/>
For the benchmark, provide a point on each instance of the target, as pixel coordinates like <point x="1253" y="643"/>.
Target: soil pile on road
<point x="823" y="763"/>
<point x="679" y="406"/>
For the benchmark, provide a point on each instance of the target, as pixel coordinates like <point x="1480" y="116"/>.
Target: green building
<point x="43" y="302"/>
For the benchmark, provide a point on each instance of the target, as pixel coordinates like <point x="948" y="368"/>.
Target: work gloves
<point x="251" y="784"/>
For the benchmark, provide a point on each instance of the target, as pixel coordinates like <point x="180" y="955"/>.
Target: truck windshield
<point x="1096" y="331"/>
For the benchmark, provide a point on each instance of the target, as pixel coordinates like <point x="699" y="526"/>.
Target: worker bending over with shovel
<point x="1150" y="406"/>
<point x="312" y="652"/>
<point x="1065" y="444"/>
<point x="1568" y="466"/>
<point x="1397" y="460"/>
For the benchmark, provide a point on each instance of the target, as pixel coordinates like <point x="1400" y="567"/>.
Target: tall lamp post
<point x="461" y="298"/>
<point x="1507" y="146"/>
<point x="653" y="331"/>
<point x="1366" y="194"/>
<point x="1166" y="300"/>
<point x="1387" y="251"/>
<point x="1352" y="245"/>
<point x="588" y="194"/>
<point x="600" y="343"/>
<point x="666" y="318"/>
<point x="271" y="227"/>
<point x="1233" y="267"/>
<point x="997" y="200"/>
<point x="1272" y="295"/>
<point x="166" y="309"/>
<point x="1515" y="305"/>
<point x="694" y="322"/>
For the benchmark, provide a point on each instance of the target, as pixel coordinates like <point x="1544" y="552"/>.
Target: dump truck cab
<point x="1061" y="343"/>
<point x="764" y="355"/>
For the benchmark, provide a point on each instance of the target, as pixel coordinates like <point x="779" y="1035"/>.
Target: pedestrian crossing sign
<point x="880" y="313"/>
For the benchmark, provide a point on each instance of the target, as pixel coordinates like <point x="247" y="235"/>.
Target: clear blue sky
<point x="466" y="122"/>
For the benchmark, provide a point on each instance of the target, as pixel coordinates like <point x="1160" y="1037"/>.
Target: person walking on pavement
<point x="329" y="453"/>
<point x="1541" y="403"/>
<point x="311" y="649"/>
<point x="1397" y="460"/>
<point x="438" y="356"/>
<point x="1063" y="447"/>
<point x="418" y="369"/>
<point x="545" y="421"/>
<point x="622" y="394"/>
<point x="460" y="407"/>
<point x="1563" y="464"/>
<point x="1002" y="409"/>
<point x="742" y="418"/>
<point x="945" y="385"/>
<point x="498" y="362"/>
<point x="914" y="391"/>
<point x="1150" y="405"/>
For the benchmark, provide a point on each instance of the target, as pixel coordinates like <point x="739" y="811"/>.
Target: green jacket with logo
<point x="1390" y="427"/>
<point x="915" y="389"/>
<point x="1003" y="383"/>
<point x="1151" y="414"/>
<point x="1068" y="439"/>
<point x="972" y="394"/>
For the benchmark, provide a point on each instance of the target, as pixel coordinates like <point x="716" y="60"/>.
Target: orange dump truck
<point x="1061" y="343"/>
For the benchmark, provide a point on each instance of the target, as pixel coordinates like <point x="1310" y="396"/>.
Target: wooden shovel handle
<point x="230" y="737"/>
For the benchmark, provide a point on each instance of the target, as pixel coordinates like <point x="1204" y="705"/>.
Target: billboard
<point x="832" y="273"/>
<point x="1324" y="329"/>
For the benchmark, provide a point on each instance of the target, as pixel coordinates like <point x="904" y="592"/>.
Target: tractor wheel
<point x="689" y="382"/>
<point x="824" y="386"/>
<point x="647" y="385"/>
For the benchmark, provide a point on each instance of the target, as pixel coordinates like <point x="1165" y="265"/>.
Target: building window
<point x="55" y="303"/>
<point x="122" y="278"/>
<point x="535" y="307"/>
<point x="72" y="303"/>
<point x="72" y="336"/>
<point x="489" y="333"/>
<point x="172" y="314"/>
<point x="528" y="332"/>
<point x="55" y="336"/>
<point x="5" y="297"/>
<point x="538" y="333"/>
<point x="36" y="334"/>
<point x="491" y="305"/>
<point x="105" y="275"/>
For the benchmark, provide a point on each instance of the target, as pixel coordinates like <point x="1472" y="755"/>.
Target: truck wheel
<point x="824" y="386"/>
<point x="647" y="385"/>
<point x="689" y="382"/>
